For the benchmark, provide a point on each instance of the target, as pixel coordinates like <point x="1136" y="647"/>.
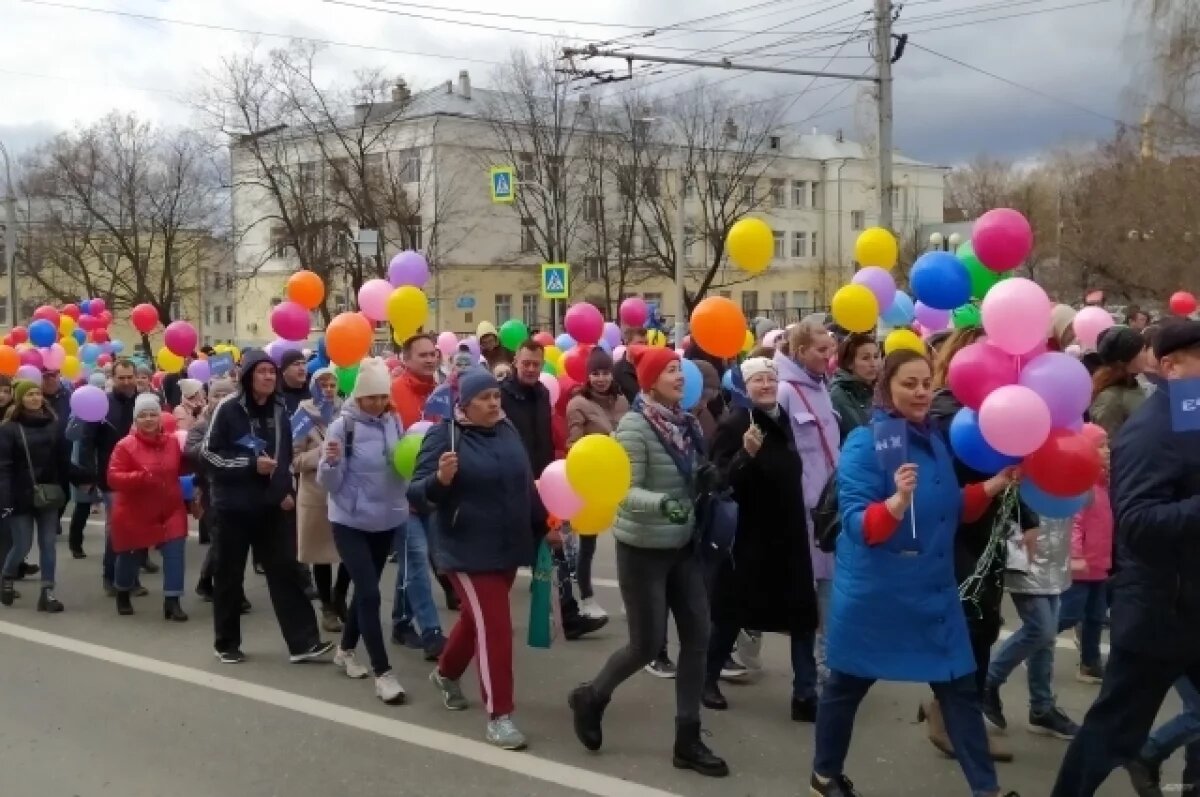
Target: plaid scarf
<point x="677" y="429"/>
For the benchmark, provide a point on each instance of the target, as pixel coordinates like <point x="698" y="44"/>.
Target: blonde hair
<point x="959" y="339"/>
<point x="802" y="335"/>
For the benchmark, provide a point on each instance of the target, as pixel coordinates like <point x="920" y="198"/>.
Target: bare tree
<point x="983" y="184"/>
<point x="1172" y="90"/>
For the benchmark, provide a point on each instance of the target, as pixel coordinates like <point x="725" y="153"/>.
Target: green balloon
<point x="346" y="377"/>
<point x="513" y="333"/>
<point x="549" y="368"/>
<point x="967" y="316"/>
<point x="982" y="278"/>
<point x="404" y="456"/>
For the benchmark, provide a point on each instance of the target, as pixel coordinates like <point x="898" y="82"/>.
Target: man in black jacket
<point x="1156" y="592"/>
<point x="248" y="451"/>
<point x="293" y="379"/>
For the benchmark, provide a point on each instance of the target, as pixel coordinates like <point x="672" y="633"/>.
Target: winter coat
<point x="1113" y="406"/>
<point x="1156" y="488"/>
<point x="314" y="535"/>
<point x="894" y="613"/>
<point x="292" y="396"/>
<point x="365" y="491"/>
<point x="409" y="394"/>
<point x="640" y="520"/>
<point x="816" y="435"/>
<point x="598" y="415"/>
<point x="147" y="507"/>
<point x="767" y="584"/>
<point x="529" y="410"/>
<point x="60" y="402"/>
<point x="852" y="399"/>
<point x="1092" y="536"/>
<point x="486" y="519"/>
<point x="47" y="452"/>
<point x="98" y="440"/>
<point x="1049" y="570"/>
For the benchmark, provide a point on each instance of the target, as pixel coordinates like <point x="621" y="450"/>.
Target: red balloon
<point x="144" y="318"/>
<point x="88" y="322"/>
<point x="1066" y="465"/>
<point x="100" y="335"/>
<point x="106" y="317"/>
<point x="8" y="340"/>
<point x="48" y="313"/>
<point x="575" y="362"/>
<point x="104" y="359"/>
<point x="169" y="423"/>
<point x="1182" y="303"/>
<point x="19" y="334"/>
<point x="544" y="338"/>
<point x="565" y="385"/>
<point x="71" y="310"/>
<point x="96" y="306"/>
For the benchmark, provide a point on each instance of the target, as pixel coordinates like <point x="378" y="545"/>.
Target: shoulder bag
<point x="45" y="496"/>
<point x="826" y="515"/>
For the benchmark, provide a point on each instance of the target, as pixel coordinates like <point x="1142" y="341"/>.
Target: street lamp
<point x="945" y="243"/>
<point x="10" y="237"/>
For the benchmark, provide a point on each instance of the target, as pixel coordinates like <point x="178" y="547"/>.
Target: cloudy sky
<point x="62" y="64"/>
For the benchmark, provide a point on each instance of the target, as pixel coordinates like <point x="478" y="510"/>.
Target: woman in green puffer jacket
<point x="853" y="388"/>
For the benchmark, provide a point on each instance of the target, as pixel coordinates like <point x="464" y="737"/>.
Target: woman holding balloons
<point x="1115" y="389"/>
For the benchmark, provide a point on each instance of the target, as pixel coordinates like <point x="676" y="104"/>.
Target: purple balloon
<point x="1063" y="383"/>
<point x="88" y="403"/>
<point x="408" y="268"/>
<point x="30" y="373"/>
<point x="472" y="344"/>
<point x="880" y="282"/>
<point x="931" y="318"/>
<point x="200" y="370"/>
<point x="612" y="334"/>
<point x="276" y="349"/>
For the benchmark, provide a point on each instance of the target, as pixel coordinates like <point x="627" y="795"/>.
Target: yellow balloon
<point x="553" y="355"/>
<point x="748" y="343"/>
<point x="407" y="308"/>
<point x="598" y="470"/>
<point x="751" y="245"/>
<point x="66" y="325"/>
<point x="70" y="366"/>
<point x="855" y="308"/>
<point x="876" y="247"/>
<point x="656" y="337"/>
<point x="168" y="360"/>
<point x="70" y="345"/>
<point x="594" y="519"/>
<point x="899" y="339"/>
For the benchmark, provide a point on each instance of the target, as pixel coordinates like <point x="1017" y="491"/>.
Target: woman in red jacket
<point x="147" y="508"/>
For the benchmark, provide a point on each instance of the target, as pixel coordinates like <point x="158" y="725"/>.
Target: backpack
<point x="827" y="517"/>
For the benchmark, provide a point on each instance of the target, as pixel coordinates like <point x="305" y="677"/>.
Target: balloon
<point x="901" y="313"/>
<point x="181" y="338"/>
<point x="71" y="311"/>
<point x="199" y="370"/>
<point x="118" y="347"/>
<point x="513" y="333"/>
<point x="404" y="455"/>
<point x="19" y="334"/>
<point x="10" y="361"/>
<point x="32" y="357"/>
<point x="931" y="318"/>
<point x="978" y="369"/>
<point x="306" y="289"/>
<point x="855" y="308"/>
<point x="289" y="321"/>
<point x="693" y="384"/>
<point x="593" y="519"/>
<point x="168" y="360"/>
<point x="407" y="309"/>
<point x="42" y="333"/>
<point x="556" y="492"/>
<point x="66" y="325"/>
<point x="86" y="306"/>
<point x="1016" y="315"/>
<point x="879" y="281"/>
<point x="89" y="404"/>
<point x="657" y="338"/>
<point x="748" y="342"/>
<point x="106" y="318"/>
<point x="612" y="334"/>
<point x="1182" y="303"/>
<point x="30" y="373"/>
<point x="1049" y="506"/>
<point x="408" y="268"/>
<point x="373" y="298"/>
<point x="79" y="335"/>
<point x="1002" y="239"/>
<point x="348" y="339"/>
<point x="552" y="387"/>
<point x="46" y="313"/>
<point x="634" y="312"/>
<point x="718" y="326"/>
<point x="553" y="355"/>
<point x="1063" y="383"/>
<point x="100" y="335"/>
<point x="277" y="348"/>
<point x="967" y="316"/>
<point x="1066" y="464"/>
<point x="447" y="343"/>
<point x="1089" y="323"/>
<point x="1014" y="420"/>
<point x="876" y="247"/>
<point x="598" y="469"/>
<point x="564" y="342"/>
<point x="899" y="339"/>
<point x="982" y="278"/>
<point x="52" y="357"/>
<point x="346" y="375"/>
<point x="88" y="352"/>
<point x="71" y="367"/>
<point x="96" y="307"/>
<point x="420" y="427"/>
<point x="969" y="446"/>
<point x="104" y="359"/>
<point x="940" y="280"/>
<point x="87" y="323"/>
<point x="584" y="323"/>
<point x="574" y="363"/>
<point x="565" y="385"/>
<point x="751" y="245"/>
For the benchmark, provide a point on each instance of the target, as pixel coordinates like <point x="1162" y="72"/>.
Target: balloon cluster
<point x="72" y="339"/>
<point x="586" y="487"/>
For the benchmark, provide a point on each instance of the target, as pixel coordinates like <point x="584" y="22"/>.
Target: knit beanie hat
<point x="190" y="387"/>
<point x="221" y="387"/>
<point x="599" y="360"/>
<point x="146" y="402"/>
<point x="1119" y="345"/>
<point x="373" y="379"/>
<point x="753" y="366"/>
<point x="1094" y="434"/>
<point x="708" y="373"/>
<point x="20" y="388"/>
<point x="474" y="381"/>
<point x="290" y="357"/>
<point x="1061" y="317"/>
<point x="649" y="362"/>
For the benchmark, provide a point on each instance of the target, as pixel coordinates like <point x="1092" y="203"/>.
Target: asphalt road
<point x="95" y="704"/>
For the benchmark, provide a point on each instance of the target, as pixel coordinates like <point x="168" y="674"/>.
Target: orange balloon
<point x="10" y="361"/>
<point x="306" y="289"/>
<point x="348" y="339"/>
<point x="719" y="327"/>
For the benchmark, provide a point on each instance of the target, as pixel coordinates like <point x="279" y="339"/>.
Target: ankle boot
<point x="693" y="754"/>
<point x="47" y="602"/>
<point x="8" y="592"/>
<point x="931" y="714"/>
<point x="588" y="709"/>
<point x="124" y="602"/>
<point x="173" y="611"/>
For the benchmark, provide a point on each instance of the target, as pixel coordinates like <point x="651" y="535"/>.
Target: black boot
<point x="124" y="604"/>
<point x="693" y="754"/>
<point x="712" y="698"/>
<point x="8" y="593"/>
<point x="47" y="602"/>
<point x="173" y="611"/>
<point x="588" y="709"/>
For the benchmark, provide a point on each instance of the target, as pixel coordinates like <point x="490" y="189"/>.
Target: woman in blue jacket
<point x="895" y="613"/>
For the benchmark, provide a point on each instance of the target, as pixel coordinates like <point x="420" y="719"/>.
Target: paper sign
<point x="220" y="364"/>
<point x="891" y="443"/>
<point x="1185" y="404"/>
<point x="440" y="403"/>
<point x="256" y="444"/>
<point x="302" y="424"/>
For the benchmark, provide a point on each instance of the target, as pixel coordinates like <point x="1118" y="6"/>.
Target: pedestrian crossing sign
<point x="504" y="185"/>
<point x="555" y="281"/>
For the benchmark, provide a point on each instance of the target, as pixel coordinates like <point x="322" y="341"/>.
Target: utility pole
<point x="10" y="238"/>
<point x="680" y="261"/>
<point x="883" y="63"/>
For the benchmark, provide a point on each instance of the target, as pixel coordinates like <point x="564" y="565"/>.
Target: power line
<point x="1020" y="15"/>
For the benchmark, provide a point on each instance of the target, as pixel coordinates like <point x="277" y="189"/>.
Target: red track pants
<point x="483" y="631"/>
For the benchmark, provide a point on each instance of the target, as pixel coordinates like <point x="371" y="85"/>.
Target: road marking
<point x="523" y="764"/>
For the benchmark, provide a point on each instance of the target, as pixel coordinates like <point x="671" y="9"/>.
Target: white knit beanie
<point x="757" y="365"/>
<point x="373" y="379"/>
<point x="146" y="402"/>
<point x="190" y="387"/>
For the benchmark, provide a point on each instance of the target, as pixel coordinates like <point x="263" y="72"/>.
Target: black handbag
<point x="716" y="514"/>
<point x="45" y="496"/>
<point x="827" y="517"/>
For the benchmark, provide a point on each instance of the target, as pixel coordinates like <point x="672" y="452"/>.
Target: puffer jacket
<point x="1113" y="406"/>
<point x="1049" y="563"/>
<point x="1092" y="536"/>
<point x="594" y="415"/>
<point x="852" y="399"/>
<point x="365" y="491"/>
<point x="640" y="521"/>
<point x="147" y="507"/>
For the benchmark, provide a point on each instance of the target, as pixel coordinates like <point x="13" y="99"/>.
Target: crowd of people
<point x="907" y="585"/>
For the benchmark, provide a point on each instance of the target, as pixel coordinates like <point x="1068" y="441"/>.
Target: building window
<point x="228" y="282"/>
<point x="110" y="257"/>
<point x="503" y="307"/>
<point x="749" y="303"/>
<point x="653" y="299"/>
<point x="650" y="182"/>
<point x="524" y="165"/>
<point x="593" y="268"/>
<point x="778" y="193"/>
<point x="815" y="198"/>
<point x="780" y="243"/>
<point x="339" y="303"/>
<point x="528" y="235"/>
<point x="748" y="193"/>
<point x="799" y="244"/>
<point x="275" y="302"/>
<point x="176" y="310"/>
<point x="718" y="185"/>
<point x="593" y="208"/>
<point x="408" y="165"/>
<point x="800" y="300"/>
<point x="229" y="314"/>
<point x="799" y="193"/>
<point x="814" y="243"/>
<point x="530" y="303"/>
<point x="308" y="178"/>
<point x="778" y="300"/>
<point x="725" y="294"/>
<point x="858" y="220"/>
<point x="279" y="242"/>
<point x="774" y="143"/>
<point x="689" y="188"/>
<point x="3" y="313"/>
<point x="414" y="233"/>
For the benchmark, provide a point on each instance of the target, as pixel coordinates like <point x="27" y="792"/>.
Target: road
<point x="95" y="704"/>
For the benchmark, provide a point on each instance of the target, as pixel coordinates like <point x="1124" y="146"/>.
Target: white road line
<point x="522" y="764"/>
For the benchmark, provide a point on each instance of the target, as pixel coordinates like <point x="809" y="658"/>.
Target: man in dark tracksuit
<point x="248" y="450"/>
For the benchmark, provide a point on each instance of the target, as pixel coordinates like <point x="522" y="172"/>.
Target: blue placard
<point x="256" y="444"/>
<point x="1185" y="404"/>
<point x="302" y="424"/>
<point x="891" y="443"/>
<point x="465" y="303"/>
<point x="220" y="364"/>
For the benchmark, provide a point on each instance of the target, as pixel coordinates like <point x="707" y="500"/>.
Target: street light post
<point x="945" y="243"/>
<point x="10" y="238"/>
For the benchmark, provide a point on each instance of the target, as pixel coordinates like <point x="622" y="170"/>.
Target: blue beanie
<point x="474" y="381"/>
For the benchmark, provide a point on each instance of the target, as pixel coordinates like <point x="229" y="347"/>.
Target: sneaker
<point x="589" y="608"/>
<point x="732" y="670"/>
<point x="1146" y="777"/>
<point x="347" y="662"/>
<point x="1089" y="674"/>
<point x="661" y="667"/>
<point x="434" y="643"/>
<point x="837" y="786"/>
<point x="749" y="649"/>
<point x="406" y="636"/>
<point x="204" y="592"/>
<point x="233" y="656"/>
<point x="502" y="733"/>
<point x="389" y="690"/>
<point x="993" y="708"/>
<point x="1053" y="723"/>
<point x="452" y="695"/>
<point x="77" y="553"/>
<point x="330" y="621"/>
<point x="318" y="650"/>
<point x="581" y="625"/>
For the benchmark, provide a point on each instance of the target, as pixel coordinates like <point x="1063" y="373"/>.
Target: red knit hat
<point x="650" y="362"/>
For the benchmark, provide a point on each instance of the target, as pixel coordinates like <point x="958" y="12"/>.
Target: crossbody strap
<point x="820" y="429"/>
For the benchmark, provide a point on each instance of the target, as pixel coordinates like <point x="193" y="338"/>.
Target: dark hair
<point x="124" y="362"/>
<point x="1133" y="312"/>
<point x="891" y="365"/>
<point x="848" y="349"/>
<point x="531" y="345"/>
<point x="406" y="347"/>
<point x="1111" y="375"/>
<point x="633" y="332"/>
<point x="762" y="351"/>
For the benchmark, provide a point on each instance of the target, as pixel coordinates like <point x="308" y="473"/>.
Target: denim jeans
<point x="42" y="525"/>
<point x="1033" y="643"/>
<point x="816" y="643"/>
<point x="804" y="666"/>
<point x="1085" y="605"/>
<point x="1183" y="730"/>
<point x="365" y="553"/>
<point x="414" y="588"/>
<point x="130" y="562"/>
<point x="959" y="700"/>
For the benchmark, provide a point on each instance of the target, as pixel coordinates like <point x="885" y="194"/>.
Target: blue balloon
<point x="321" y="350"/>
<point x="85" y="307"/>
<point x="968" y="444"/>
<point x="604" y="344"/>
<point x="940" y="280"/>
<point x="79" y="335"/>
<point x="902" y="311"/>
<point x="117" y="346"/>
<point x="727" y="380"/>
<point x="42" y="333"/>
<point x="1051" y="506"/>
<point x="564" y="342"/>
<point x="188" y="485"/>
<point x="693" y="384"/>
<point x="88" y="352"/>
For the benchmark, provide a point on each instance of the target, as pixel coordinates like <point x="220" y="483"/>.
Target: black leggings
<point x="583" y="565"/>
<point x="79" y="519"/>
<point x="326" y="589"/>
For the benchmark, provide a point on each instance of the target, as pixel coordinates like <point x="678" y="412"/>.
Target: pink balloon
<point x="1016" y="315"/>
<point x="290" y="321"/>
<point x="447" y="343"/>
<point x="556" y="492"/>
<point x="1089" y="323"/>
<point x="619" y="353"/>
<point x="373" y="297"/>
<point x="30" y="373"/>
<point x="634" y="312"/>
<point x="977" y="370"/>
<point x="1002" y="239"/>
<point x="96" y="306"/>
<point x="1014" y="420"/>
<point x="181" y="338"/>
<point x="552" y="386"/>
<point x="32" y="357"/>
<point x="584" y="323"/>
<point x="52" y="357"/>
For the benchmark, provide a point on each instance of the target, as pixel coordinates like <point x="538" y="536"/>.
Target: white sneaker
<point x="389" y="690"/>
<point x="589" y="608"/>
<point x="502" y="733"/>
<point x="749" y="649"/>
<point x="346" y="661"/>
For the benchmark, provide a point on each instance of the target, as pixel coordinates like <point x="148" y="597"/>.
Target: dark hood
<point x="250" y="361"/>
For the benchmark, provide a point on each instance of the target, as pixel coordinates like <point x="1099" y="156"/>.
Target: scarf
<point x="678" y="431"/>
<point x="461" y="419"/>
